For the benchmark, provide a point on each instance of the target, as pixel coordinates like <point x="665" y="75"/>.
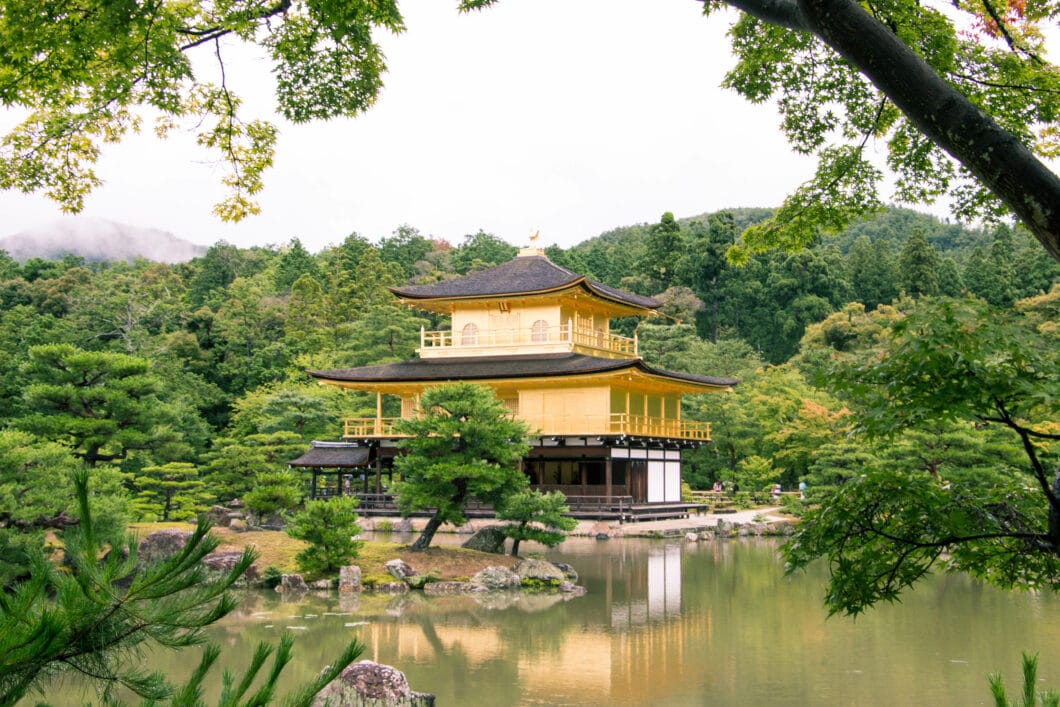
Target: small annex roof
<point x="525" y="274"/>
<point x="332" y="455"/>
<point x="505" y="367"/>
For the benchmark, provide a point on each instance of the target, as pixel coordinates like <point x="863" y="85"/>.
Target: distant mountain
<point x="97" y="239"/>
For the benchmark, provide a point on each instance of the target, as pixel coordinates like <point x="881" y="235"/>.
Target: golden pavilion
<point x="609" y="427"/>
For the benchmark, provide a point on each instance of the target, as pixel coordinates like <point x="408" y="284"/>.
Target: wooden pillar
<point x="644" y="415"/>
<point x="607" y="477"/>
<point x="378" y="469"/>
<point x="584" y="476"/>
<point x="313" y="486"/>
<point x="625" y="424"/>
<point x="378" y="413"/>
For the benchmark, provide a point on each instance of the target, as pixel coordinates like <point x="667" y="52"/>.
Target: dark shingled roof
<point x="490" y="367"/>
<point x="526" y="273"/>
<point x="332" y="454"/>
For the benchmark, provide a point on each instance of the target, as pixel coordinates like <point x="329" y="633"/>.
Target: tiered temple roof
<point x="525" y="275"/>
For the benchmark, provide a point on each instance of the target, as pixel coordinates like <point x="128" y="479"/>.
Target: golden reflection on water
<point x="665" y="623"/>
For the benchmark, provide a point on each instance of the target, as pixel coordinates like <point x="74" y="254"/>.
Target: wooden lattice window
<point x="469" y="335"/>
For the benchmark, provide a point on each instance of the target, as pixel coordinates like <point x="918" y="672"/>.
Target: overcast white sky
<point x="566" y="116"/>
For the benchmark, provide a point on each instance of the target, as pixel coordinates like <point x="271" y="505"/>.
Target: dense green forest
<point x="183" y="385"/>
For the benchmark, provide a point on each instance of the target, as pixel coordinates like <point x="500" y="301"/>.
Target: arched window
<point x="469" y="335"/>
<point x="539" y="332"/>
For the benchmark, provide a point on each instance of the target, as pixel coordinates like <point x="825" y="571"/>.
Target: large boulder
<point x="488" y="539"/>
<point x="533" y="572"/>
<point x="368" y="684"/>
<point x="496" y="579"/>
<point x="400" y="570"/>
<point x="218" y="516"/>
<point x="223" y="562"/>
<point x="162" y="544"/>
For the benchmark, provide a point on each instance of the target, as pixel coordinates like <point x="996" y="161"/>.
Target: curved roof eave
<point x="506" y="368"/>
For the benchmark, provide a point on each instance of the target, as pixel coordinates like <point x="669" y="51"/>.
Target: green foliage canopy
<point x="90" y="72"/>
<point x="950" y="361"/>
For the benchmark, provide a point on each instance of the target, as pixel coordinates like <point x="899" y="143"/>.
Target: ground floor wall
<point x="648" y="471"/>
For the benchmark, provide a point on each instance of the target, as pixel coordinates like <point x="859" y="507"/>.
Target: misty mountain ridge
<point x="96" y="239"/>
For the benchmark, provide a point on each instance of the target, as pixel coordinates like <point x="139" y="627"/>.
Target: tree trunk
<point x="515" y="547"/>
<point x="1054" y="516"/>
<point x="424" y="540"/>
<point x="1000" y="161"/>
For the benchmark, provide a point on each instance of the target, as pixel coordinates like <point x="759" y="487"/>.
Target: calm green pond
<point x="669" y="623"/>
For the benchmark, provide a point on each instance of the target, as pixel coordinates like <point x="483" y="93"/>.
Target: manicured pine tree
<point x="172" y="491"/>
<point x="463" y="445"/>
<point x="541" y="517"/>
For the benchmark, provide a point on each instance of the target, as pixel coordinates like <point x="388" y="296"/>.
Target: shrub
<point x="271" y="577"/>
<point x="328" y="526"/>
<point x="274" y="492"/>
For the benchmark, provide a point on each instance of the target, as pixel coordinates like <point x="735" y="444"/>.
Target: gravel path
<point x="692" y="524"/>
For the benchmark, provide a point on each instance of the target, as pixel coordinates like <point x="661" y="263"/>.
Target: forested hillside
<point x="183" y="385"/>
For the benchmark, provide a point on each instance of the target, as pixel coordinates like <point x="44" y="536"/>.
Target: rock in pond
<point x="437" y="589"/>
<point x="368" y="684"/>
<point x="292" y="583"/>
<point x="496" y="578"/>
<point x="532" y="571"/>
<point x="569" y="572"/>
<point x="349" y="579"/>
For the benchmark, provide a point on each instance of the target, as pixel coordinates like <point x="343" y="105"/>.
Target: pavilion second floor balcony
<point x="539" y="338"/>
<point x="581" y="425"/>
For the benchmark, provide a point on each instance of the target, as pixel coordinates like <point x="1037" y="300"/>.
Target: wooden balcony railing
<point x="614" y="424"/>
<point x="361" y="427"/>
<point x="530" y="337"/>
<point x="644" y="426"/>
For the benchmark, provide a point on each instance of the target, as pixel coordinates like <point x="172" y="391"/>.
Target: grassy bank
<point x="277" y="549"/>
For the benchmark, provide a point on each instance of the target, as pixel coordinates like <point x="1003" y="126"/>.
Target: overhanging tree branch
<point x="997" y="158"/>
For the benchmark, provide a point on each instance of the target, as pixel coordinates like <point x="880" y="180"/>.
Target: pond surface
<point x="668" y="623"/>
